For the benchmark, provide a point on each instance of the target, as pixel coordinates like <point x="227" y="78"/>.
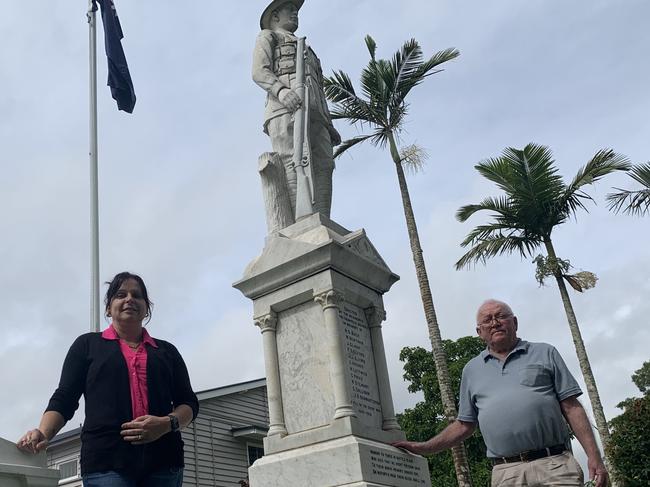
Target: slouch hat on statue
<point x="265" y="19"/>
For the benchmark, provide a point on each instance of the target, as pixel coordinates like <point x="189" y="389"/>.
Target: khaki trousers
<point x="559" y="470"/>
<point x="280" y="131"/>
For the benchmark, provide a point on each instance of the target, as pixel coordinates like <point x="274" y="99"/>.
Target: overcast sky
<point x="180" y="199"/>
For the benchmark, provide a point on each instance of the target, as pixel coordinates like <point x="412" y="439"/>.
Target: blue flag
<point x="119" y="78"/>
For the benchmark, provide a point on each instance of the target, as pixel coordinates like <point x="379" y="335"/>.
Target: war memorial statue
<point x="296" y="118"/>
<point x="317" y="291"/>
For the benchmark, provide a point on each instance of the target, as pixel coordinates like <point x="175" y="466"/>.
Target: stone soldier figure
<point x="274" y="70"/>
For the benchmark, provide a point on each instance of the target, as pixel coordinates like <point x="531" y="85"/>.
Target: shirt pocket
<point x="535" y="376"/>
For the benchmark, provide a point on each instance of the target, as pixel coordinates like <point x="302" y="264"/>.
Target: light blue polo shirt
<point x="516" y="403"/>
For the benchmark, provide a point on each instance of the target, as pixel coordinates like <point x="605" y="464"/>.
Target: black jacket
<point x="95" y="367"/>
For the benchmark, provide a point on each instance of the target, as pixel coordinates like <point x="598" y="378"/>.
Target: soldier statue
<point x="278" y="66"/>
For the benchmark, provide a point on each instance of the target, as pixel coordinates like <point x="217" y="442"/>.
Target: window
<point x="254" y="452"/>
<point x="68" y="469"/>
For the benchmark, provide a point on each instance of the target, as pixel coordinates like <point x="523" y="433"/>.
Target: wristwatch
<point x="174" y="422"/>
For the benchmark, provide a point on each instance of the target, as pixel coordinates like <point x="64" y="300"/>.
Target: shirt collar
<point x="110" y="334"/>
<point x="285" y="32"/>
<point x="520" y="346"/>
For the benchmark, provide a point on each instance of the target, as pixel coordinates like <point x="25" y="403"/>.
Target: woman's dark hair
<point x="116" y="283"/>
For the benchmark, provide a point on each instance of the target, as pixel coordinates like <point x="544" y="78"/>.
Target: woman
<point x="137" y="393"/>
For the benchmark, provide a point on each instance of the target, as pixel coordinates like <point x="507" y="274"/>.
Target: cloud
<point x="180" y="199"/>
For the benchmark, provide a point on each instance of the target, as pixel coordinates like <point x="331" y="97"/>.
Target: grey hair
<point x="495" y="301"/>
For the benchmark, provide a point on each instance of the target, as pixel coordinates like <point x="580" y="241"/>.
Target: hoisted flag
<point x="119" y="78"/>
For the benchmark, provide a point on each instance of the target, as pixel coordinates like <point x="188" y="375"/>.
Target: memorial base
<point x="317" y="292"/>
<point x="18" y="469"/>
<point x="348" y="462"/>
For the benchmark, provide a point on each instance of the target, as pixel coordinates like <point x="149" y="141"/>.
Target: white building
<point x="220" y="445"/>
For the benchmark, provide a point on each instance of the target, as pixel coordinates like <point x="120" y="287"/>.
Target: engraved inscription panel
<point x="361" y="365"/>
<point x="393" y="469"/>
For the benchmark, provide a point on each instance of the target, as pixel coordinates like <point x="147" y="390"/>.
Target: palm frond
<point x="532" y="184"/>
<point x="641" y="174"/>
<point x="406" y="62"/>
<point x="339" y="88"/>
<point x="496" y="245"/>
<point x="412" y="78"/>
<point x="397" y="115"/>
<point x="630" y="202"/>
<point x="346" y="144"/>
<point x="371" y="45"/>
<point x="633" y="202"/>
<point x="380" y="137"/>
<point x="536" y="177"/>
<point x="437" y="59"/>
<point x="354" y="113"/>
<point x="374" y="88"/>
<point x="496" y="170"/>
<point x="498" y="205"/>
<point x="384" y="84"/>
<point x="528" y="175"/>
<point x="347" y="105"/>
<point x="603" y="163"/>
<point x="487" y="231"/>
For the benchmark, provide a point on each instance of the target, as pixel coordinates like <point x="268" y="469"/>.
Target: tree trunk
<point x="585" y="366"/>
<point x="277" y="201"/>
<point x="459" y="453"/>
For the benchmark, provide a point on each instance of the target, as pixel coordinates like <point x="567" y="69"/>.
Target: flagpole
<point x="94" y="191"/>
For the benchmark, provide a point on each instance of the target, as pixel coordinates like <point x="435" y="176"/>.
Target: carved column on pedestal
<point x="268" y="325"/>
<point x="331" y="302"/>
<point x="375" y="316"/>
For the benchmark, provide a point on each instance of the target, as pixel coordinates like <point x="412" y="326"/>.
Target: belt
<point x="530" y="455"/>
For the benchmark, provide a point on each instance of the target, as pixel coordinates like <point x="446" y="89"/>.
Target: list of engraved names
<point x="365" y="396"/>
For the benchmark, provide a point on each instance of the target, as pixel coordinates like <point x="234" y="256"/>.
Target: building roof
<point x="62" y="437"/>
<point x="231" y="389"/>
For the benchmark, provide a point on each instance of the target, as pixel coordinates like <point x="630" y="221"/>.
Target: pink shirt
<point x="136" y="363"/>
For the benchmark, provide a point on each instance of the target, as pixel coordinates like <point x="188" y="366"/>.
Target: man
<point x="274" y="70"/>
<point x="520" y="394"/>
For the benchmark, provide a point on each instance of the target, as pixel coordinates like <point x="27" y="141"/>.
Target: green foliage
<point x="630" y="439"/>
<point x="427" y="418"/>
<point x="385" y="84"/>
<point x="633" y="202"/>
<point x="536" y="200"/>
<point x="642" y="378"/>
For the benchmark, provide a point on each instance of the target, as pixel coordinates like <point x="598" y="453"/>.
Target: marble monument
<point x="317" y="291"/>
<point x="18" y="469"/>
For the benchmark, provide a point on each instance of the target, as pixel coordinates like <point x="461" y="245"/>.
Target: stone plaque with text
<point x="396" y="468"/>
<point x="363" y="377"/>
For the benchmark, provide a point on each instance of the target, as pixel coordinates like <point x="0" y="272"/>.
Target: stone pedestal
<point x="18" y="469"/>
<point x="317" y="295"/>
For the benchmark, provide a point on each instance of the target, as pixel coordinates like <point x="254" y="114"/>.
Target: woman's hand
<point x="33" y="441"/>
<point x="145" y="429"/>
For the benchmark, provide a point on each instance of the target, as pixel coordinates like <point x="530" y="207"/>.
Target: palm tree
<point x="536" y="200"/>
<point x="633" y="202"/>
<point x="382" y="106"/>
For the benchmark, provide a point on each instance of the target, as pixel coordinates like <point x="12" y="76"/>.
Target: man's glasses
<point x="498" y="318"/>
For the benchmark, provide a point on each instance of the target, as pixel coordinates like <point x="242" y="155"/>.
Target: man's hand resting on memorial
<point x="289" y="99"/>
<point x="417" y="447"/>
<point x="452" y="435"/>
